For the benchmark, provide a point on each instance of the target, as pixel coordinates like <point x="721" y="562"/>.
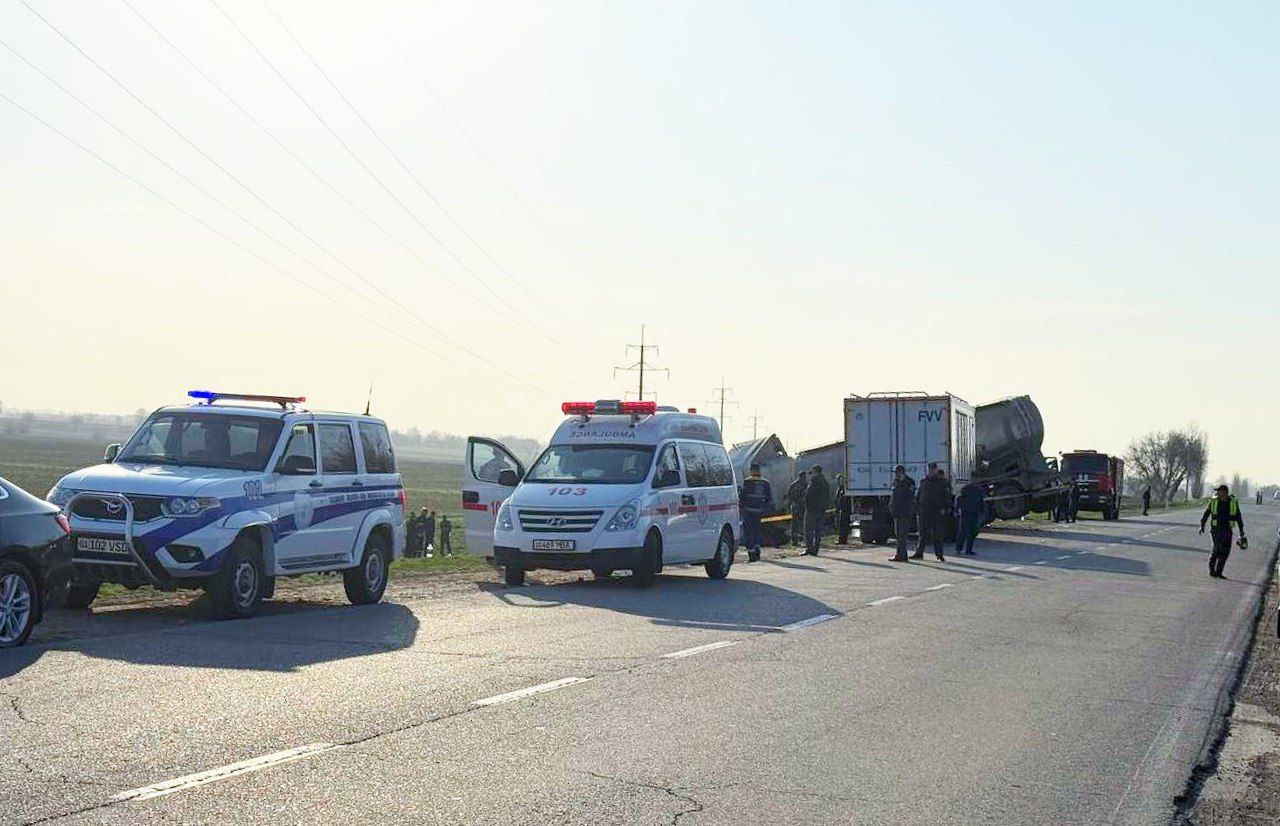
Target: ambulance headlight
<point x="626" y="518"/>
<point x="188" y="505"/>
<point x="504" y="518"/>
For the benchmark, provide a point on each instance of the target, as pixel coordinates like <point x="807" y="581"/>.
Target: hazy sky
<point x="1076" y="201"/>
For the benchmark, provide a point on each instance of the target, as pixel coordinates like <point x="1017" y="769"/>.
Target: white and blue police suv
<point x="233" y="491"/>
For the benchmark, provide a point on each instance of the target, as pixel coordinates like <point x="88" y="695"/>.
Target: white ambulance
<point x="622" y="486"/>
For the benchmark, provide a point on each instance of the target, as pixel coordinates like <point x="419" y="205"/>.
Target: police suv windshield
<point x="597" y="464"/>
<point x="210" y="440"/>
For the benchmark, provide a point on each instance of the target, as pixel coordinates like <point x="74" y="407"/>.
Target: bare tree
<point x="1166" y="460"/>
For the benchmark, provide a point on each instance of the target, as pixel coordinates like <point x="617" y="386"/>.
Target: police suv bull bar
<point x="104" y="496"/>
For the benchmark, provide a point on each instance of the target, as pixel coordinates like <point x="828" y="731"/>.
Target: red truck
<point x="1097" y="479"/>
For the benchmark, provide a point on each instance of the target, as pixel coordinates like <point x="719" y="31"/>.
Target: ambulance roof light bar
<point x="211" y="396"/>
<point x="609" y="407"/>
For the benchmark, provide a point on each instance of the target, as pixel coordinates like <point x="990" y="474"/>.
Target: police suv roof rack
<point x="211" y="396"/>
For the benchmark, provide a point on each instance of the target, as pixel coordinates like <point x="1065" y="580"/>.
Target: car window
<point x="667" y="460"/>
<point x="302" y="443"/>
<point x="488" y="461"/>
<point x="719" y="469"/>
<point x="337" y="449"/>
<point x="376" y="441"/>
<point x="204" y="440"/>
<point x="695" y="464"/>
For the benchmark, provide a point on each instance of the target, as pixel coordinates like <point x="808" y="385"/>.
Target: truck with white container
<point x="912" y="429"/>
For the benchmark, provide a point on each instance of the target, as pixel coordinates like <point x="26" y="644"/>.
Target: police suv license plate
<point x="555" y="544"/>
<point x="102" y="546"/>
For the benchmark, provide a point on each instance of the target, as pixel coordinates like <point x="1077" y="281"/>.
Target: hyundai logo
<point x="556" y="522"/>
<point x="113" y="506"/>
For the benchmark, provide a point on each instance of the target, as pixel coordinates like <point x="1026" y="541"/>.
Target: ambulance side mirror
<point x="112" y="451"/>
<point x="508" y="478"/>
<point x="668" y="478"/>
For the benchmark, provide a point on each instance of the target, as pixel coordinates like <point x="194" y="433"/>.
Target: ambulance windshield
<point x="596" y="464"/>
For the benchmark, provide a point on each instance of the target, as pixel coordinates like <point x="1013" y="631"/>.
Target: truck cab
<point x="621" y="486"/>
<point x="1097" y="479"/>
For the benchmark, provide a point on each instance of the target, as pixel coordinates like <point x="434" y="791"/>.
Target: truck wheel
<point x="512" y="576"/>
<point x="367" y="582"/>
<point x="1013" y="507"/>
<point x="19" y="603"/>
<point x="82" y="595"/>
<point x="643" y="575"/>
<point x="718" y="566"/>
<point x="236" y="591"/>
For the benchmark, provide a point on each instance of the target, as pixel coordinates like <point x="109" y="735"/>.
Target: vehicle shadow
<point x="1018" y="553"/>
<point x="1092" y="538"/>
<point x="284" y="636"/>
<point x="675" y="600"/>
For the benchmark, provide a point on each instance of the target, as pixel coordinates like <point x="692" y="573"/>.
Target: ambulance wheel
<point x="602" y="573"/>
<point x="718" y="566"/>
<point x="367" y="582"/>
<point x="82" y="595"/>
<point x="512" y="576"/>
<point x="236" y="591"/>
<point x="643" y="575"/>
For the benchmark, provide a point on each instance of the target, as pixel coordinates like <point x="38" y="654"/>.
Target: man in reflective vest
<point x="755" y="497"/>
<point x="1223" y="509"/>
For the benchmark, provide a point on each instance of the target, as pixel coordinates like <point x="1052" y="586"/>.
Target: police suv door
<point x="483" y="491"/>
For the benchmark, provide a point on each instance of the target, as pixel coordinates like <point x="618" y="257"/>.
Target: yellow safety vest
<point x="1233" y="507"/>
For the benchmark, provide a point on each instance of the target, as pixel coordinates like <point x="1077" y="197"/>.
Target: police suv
<point x="227" y="494"/>
<point x="622" y="486"/>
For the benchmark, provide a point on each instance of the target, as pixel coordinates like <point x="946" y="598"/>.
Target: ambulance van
<point x="623" y="486"/>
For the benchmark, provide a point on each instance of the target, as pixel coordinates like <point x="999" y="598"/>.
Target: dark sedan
<point x="35" y="561"/>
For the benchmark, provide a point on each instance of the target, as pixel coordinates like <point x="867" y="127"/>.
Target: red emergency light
<point x="578" y="408"/>
<point x="638" y="408"/>
<point x="609" y="407"/>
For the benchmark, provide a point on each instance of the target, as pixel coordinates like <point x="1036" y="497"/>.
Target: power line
<point x="484" y="156"/>
<point x="641" y="366"/>
<point x="722" y="400"/>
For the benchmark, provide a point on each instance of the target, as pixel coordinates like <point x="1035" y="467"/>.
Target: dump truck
<point x="912" y="429"/>
<point x="1097" y="478"/>
<point x="1020" y="479"/>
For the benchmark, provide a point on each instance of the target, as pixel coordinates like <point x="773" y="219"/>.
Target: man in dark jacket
<point x="1146" y="500"/>
<point x="754" y="499"/>
<point x="935" y="503"/>
<point x="902" y="503"/>
<point x="969" y="505"/>
<point x="1223" y="510"/>
<point x="817" y="498"/>
<point x="428" y="530"/>
<point x="413" y="546"/>
<point x="844" y="511"/>
<point x="795" y="500"/>
<point x="446" y="532"/>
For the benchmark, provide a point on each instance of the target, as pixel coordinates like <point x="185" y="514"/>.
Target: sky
<point x="473" y="207"/>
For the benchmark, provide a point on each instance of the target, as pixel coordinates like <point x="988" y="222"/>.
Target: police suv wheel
<point x="18" y="597"/>
<point x="236" y="590"/>
<point x="718" y="566"/>
<point x="367" y="582"/>
<point x="81" y="595"/>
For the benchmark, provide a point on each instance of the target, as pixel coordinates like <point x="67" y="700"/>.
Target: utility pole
<point x="755" y="420"/>
<point x="642" y="365"/>
<point x="721" y="400"/>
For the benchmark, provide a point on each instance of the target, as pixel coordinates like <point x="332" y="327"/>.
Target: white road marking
<point x="1041" y="562"/>
<point x="940" y="587"/>
<point x="805" y="623"/>
<point x="1015" y="567"/>
<point x="698" y="649"/>
<point x="885" y="601"/>
<point x="533" y="689"/>
<point x="191" y="781"/>
<point x="1066" y="556"/>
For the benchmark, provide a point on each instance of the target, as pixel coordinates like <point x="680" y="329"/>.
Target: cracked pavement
<point x="1076" y="691"/>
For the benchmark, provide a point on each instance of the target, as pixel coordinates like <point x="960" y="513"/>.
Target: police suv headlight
<point x="188" y="505"/>
<point x="59" y="496"/>
<point x="626" y="518"/>
<point x="504" y="518"/>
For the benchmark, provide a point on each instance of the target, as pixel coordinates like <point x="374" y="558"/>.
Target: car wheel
<point x="512" y="576"/>
<point x="236" y="591"/>
<point x="602" y="573"/>
<point x="643" y="575"/>
<point x="81" y="595"/>
<point x="18" y="597"/>
<point x="718" y="566"/>
<point x="367" y="582"/>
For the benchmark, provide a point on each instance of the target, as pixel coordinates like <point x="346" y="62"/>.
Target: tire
<point x="19" y="603"/>
<point x="235" y="592"/>
<point x="1010" y="508"/>
<point x="269" y="588"/>
<point x="650" y="562"/>
<point x="81" y="595"/>
<point x="602" y="573"/>
<point x="718" y="566"/>
<point x="513" y="576"/>
<point x="367" y="582"/>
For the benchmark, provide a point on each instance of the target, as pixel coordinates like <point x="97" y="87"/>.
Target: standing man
<point x="1223" y="509"/>
<point x="795" y="499"/>
<point x="902" y="508"/>
<point x="428" y="530"/>
<point x="754" y="499"/>
<point x="414" y="540"/>
<point x="843" y="511"/>
<point x="446" y="531"/>
<point x="816" y="500"/>
<point x="935" y="501"/>
<point x="1073" y="502"/>
<point x="970" y="506"/>
<point x="1146" y="500"/>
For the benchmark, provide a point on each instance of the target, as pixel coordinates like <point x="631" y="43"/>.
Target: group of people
<point x="929" y="507"/>
<point x="808" y="498"/>
<point x="421" y="528"/>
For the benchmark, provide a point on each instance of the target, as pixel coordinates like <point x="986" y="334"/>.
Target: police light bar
<point x="211" y="396"/>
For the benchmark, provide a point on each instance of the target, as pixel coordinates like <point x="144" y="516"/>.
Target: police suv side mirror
<point x="112" y="451"/>
<point x="508" y="478"/>
<point x="296" y="466"/>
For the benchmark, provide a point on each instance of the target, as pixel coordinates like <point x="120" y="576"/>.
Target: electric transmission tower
<point x="722" y="400"/>
<point x="642" y="366"/>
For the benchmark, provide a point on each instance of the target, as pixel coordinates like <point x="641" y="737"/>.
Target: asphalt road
<point x="1065" y="675"/>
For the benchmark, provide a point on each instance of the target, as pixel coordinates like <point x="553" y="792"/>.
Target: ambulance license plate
<point x="555" y="545"/>
<point x="102" y="546"/>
